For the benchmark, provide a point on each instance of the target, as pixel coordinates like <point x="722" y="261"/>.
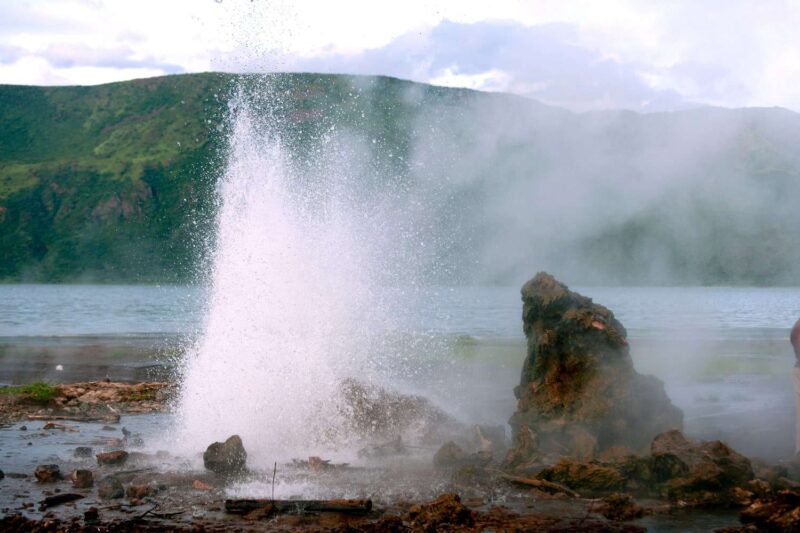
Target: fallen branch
<point x="58" y="499"/>
<point x="299" y="506"/>
<point x="539" y="484"/>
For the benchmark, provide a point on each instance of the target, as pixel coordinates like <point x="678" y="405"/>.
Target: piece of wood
<point x="245" y="506"/>
<point x="539" y="484"/>
<point x="58" y="499"/>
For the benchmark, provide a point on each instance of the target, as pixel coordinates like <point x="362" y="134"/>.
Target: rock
<point x="2" y="474"/>
<point x="446" y="511"/>
<point x="91" y="515"/>
<point x="47" y="473"/>
<point x="140" y="491"/>
<point x="83" y="451"/>
<point x="199" y="485"/>
<point x="450" y="455"/>
<point x="620" y="507"/>
<point x="23" y="428"/>
<point x="699" y="473"/>
<point x="584" y="476"/>
<point x="387" y="449"/>
<point x="109" y="488"/>
<point x="579" y="394"/>
<point x="82" y="479"/>
<point x="228" y="458"/>
<point x="115" y="458"/>
<point x="779" y="513"/>
<point x="380" y="415"/>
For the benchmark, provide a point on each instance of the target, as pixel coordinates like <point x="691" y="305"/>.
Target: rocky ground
<point x="595" y="447"/>
<point x="87" y="401"/>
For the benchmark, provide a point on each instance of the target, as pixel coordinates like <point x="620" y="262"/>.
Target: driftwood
<point x="539" y="484"/>
<point x="300" y="506"/>
<point x="58" y="499"/>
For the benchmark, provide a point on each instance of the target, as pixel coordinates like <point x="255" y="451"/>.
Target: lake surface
<point x="723" y="353"/>
<point x="131" y="310"/>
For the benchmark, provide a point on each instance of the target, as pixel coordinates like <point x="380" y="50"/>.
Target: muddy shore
<point x="156" y="491"/>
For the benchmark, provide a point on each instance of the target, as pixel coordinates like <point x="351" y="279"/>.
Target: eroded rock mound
<point x="381" y="415"/>
<point x="579" y="394"/>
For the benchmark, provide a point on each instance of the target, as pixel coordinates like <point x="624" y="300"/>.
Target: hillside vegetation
<point x="117" y="182"/>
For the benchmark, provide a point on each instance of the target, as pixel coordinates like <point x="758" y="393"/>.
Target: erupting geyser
<point x="290" y="288"/>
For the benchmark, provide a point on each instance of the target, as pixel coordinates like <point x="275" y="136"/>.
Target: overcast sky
<point x="593" y="54"/>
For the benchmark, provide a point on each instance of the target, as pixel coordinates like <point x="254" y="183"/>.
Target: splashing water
<point x="289" y="289"/>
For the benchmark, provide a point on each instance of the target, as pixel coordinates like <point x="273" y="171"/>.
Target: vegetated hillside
<point x="116" y="182"/>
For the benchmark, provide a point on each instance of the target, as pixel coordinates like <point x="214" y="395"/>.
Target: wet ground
<point x="186" y="494"/>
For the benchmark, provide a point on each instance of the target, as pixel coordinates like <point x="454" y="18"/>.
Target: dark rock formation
<point x="579" y="394"/>
<point x="226" y="458"/>
<point x="47" y="473"/>
<point x="82" y="479"/>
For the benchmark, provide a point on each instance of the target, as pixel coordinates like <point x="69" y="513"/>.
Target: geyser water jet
<point x="289" y="290"/>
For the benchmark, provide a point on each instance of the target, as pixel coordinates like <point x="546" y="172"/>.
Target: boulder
<point x="579" y="394"/>
<point x="47" y="473"/>
<point x="82" y="479"/>
<point x="112" y="458"/>
<point x="381" y="415"/>
<point x="700" y="473"/>
<point x="109" y="488"/>
<point x="226" y="458"/>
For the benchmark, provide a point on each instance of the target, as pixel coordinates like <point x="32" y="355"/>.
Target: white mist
<point x="289" y="289"/>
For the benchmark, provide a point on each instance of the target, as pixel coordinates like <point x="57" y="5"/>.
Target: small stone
<point x="82" y="479"/>
<point x="112" y="458"/>
<point x="2" y="475"/>
<point x="226" y="458"/>
<point x="109" y="488"/>
<point x="47" y="473"/>
<point x="199" y="485"/>
<point x="108" y="428"/>
<point x="91" y="515"/>
<point x="23" y="428"/>
<point x="83" y="451"/>
<point x="140" y="491"/>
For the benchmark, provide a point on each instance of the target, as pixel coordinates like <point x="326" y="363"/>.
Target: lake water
<point x="722" y="352"/>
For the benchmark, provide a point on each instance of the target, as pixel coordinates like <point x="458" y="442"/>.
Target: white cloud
<point x="718" y="52"/>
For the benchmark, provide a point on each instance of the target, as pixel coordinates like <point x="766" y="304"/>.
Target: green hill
<point x="116" y="182"/>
